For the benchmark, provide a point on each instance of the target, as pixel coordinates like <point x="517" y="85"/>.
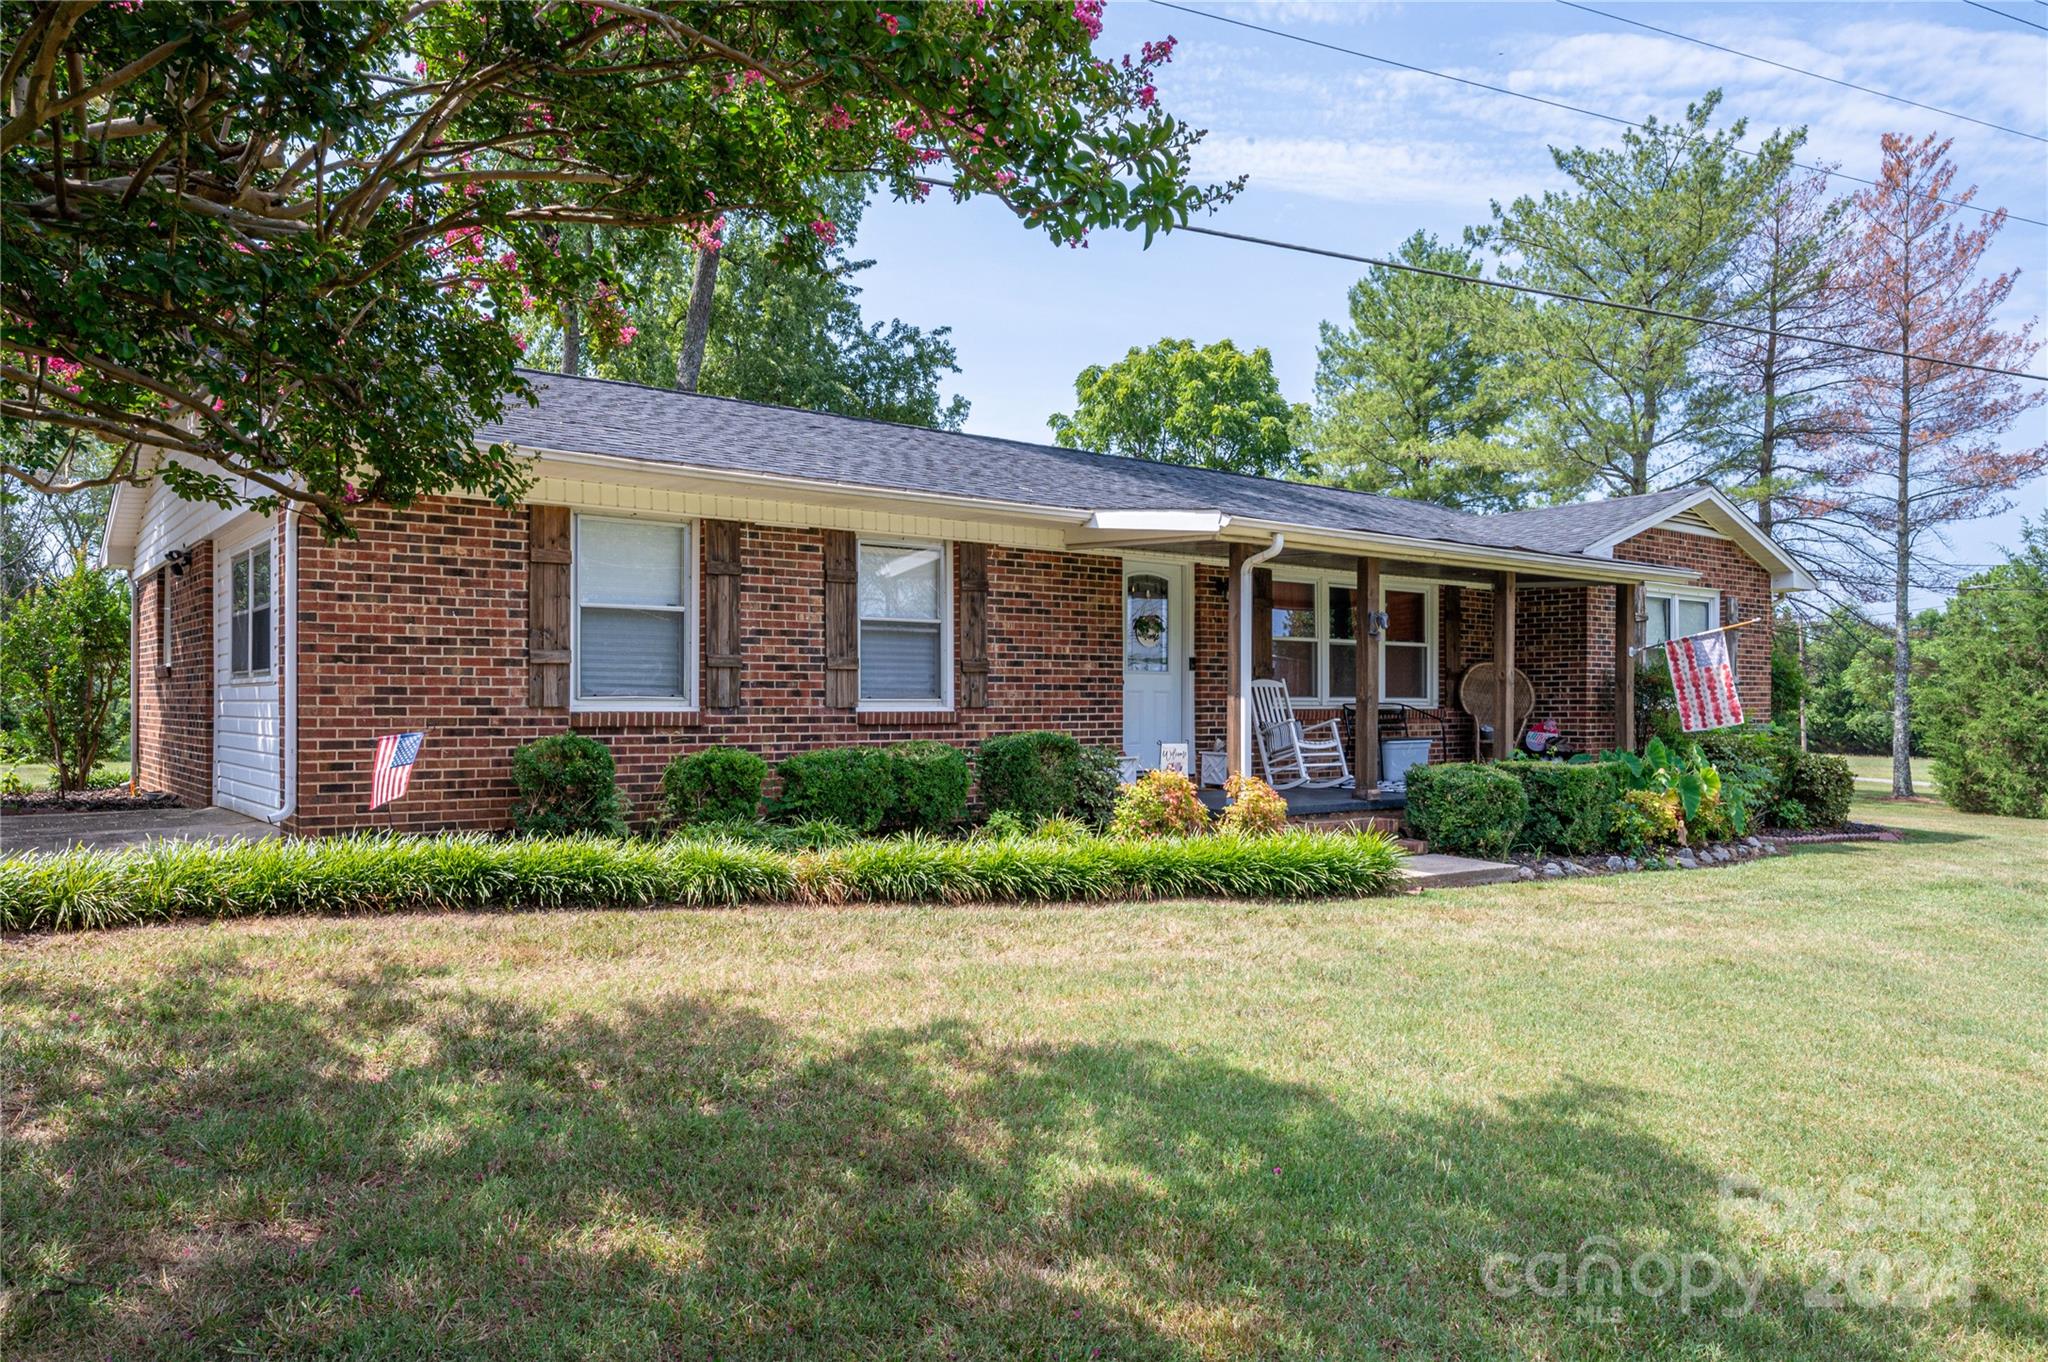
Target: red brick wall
<point x="173" y="704"/>
<point x="422" y="623"/>
<point x="1745" y="587"/>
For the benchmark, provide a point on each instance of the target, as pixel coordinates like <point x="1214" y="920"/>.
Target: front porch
<point x="1305" y="803"/>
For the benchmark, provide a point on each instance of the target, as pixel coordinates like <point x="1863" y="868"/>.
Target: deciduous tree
<point x="1923" y="447"/>
<point x="1212" y="406"/>
<point x="286" y="239"/>
<point x="64" y="668"/>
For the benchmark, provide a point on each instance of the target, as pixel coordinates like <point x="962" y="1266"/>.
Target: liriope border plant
<point x="88" y="888"/>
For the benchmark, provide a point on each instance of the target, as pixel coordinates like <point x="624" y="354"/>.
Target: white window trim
<point x="1432" y="658"/>
<point x="1675" y="594"/>
<point x="690" y="610"/>
<point x="267" y="547"/>
<point x="1324" y="636"/>
<point x="944" y="704"/>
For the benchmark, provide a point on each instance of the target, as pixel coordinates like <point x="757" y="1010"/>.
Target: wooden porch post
<point x="1504" y="667"/>
<point x="1234" y="699"/>
<point x="1624" y="667"/>
<point x="1365" y="769"/>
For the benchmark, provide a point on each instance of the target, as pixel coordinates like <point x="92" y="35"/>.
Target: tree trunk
<point x="572" y="342"/>
<point x="697" y="322"/>
<point x="1800" y="624"/>
<point x="1766" y="458"/>
<point x="1902" y="643"/>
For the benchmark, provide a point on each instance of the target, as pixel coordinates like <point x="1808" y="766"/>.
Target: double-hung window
<point x="249" y="612"/>
<point x="1315" y="638"/>
<point x="634" y="632"/>
<point x="905" y="609"/>
<point x="1679" y="614"/>
<point x="1408" y="647"/>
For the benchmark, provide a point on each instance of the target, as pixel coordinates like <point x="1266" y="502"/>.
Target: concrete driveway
<point x="27" y="832"/>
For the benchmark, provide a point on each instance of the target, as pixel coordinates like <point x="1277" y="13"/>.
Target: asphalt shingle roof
<point x="594" y="416"/>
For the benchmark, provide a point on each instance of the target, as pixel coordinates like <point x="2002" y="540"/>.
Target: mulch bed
<point x="1848" y="832"/>
<point x="115" y="800"/>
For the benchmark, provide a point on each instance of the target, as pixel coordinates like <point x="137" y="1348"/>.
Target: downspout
<point x="1241" y="759"/>
<point x="134" y="672"/>
<point x="288" y="738"/>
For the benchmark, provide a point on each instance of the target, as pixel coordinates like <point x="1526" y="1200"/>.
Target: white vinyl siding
<point x="906" y="600"/>
<point x="634" y="634"/>
<point x="248" y="749"/>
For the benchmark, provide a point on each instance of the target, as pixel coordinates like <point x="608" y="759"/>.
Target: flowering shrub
<point x="1256" y="808"/>
<point x="1158" y="804"/>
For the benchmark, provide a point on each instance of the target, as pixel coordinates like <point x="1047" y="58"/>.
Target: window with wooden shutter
<point x="722" y="614"/>
<point x="842" y="620"/>
<point x="973" y="642"/>
<point x="547" y="605"/>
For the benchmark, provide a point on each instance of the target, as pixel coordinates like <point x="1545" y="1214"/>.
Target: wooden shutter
<point x="547" y="607"/>
<point x="842" y="620"/>
<point x="1262" y="625"/>
<point x="721" y="614"/>
<point x="973" y="625"/>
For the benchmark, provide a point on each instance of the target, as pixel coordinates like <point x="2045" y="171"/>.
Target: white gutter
<point x="1241" y="759"/>
<point x="288" y="737"/>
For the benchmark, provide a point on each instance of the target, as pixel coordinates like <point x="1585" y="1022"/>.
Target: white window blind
<point x="633" y="627"/>
<point x="903" y="600"/>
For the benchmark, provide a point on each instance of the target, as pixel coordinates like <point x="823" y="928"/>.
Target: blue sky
<point x="1348" y="154"/>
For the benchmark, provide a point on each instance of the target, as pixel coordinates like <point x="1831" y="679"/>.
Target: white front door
<point x="1158" y="642"/>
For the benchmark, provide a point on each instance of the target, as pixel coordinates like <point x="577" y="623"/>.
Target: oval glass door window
<point x="1147" y="623"/>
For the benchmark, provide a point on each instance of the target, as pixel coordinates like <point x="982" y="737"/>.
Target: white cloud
<point x="1351" y="170"/>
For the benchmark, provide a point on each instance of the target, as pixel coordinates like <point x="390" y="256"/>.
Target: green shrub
<point x="931" y="785"/>
<point x="716" y="785"/>
<point x="64" y="671"/>
<point x="567" y="784"/>
<point x="1159" y="804"/>
<point x="1569" y="804"/>
<point x="1256" y="808"/>
<point x="1466" y="809"/>
<point x="1822" y="787"/>
<point x="1755" y="761"/>
<point x="1647" y="820"/>
<point x="855" y="786"/>
<point x="1061" y="830"/>
<point x="85" y="888"/>
<point x="1001" y="825"/>
<point x="1041" y="774"/>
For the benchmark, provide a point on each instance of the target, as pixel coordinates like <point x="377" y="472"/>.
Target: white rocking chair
<point x="1294" y="755"/>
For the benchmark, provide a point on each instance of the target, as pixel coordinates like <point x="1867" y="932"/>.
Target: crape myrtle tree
<point x="286" y="242"/>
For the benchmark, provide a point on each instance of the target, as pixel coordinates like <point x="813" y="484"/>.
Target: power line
<point x="1800" y="70"/>
<point x="1989" y="9"/>
<point x="1535" y="99"/>
<point x="1639" y="308"/>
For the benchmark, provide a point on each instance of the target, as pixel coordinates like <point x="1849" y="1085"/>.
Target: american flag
<point x="391" y="771"/>
<point x="1704" y="680"/>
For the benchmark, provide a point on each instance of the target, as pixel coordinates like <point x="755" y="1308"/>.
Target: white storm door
<point x="1157" y="644"/>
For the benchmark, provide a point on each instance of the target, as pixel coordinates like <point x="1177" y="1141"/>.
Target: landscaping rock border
<point x="1694" y="858"/>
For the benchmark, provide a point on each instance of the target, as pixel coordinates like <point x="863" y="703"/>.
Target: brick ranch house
<point x="692" y="570"/>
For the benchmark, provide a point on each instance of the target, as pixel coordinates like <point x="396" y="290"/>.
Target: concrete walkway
<point x="26" y="832"/>
<point x="1432" y="871"/>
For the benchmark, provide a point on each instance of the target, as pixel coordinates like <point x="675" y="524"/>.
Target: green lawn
<point x="1186" y="1130"/>
<point x="37" y="775"/>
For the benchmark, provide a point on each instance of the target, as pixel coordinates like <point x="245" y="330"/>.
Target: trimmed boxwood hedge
<point x="1570" y="804"/>
<point x="1466" y="808"/>
<point x="85" y="888"/>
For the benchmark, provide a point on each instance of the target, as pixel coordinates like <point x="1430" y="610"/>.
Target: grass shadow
<point x="386" y="1165"/>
